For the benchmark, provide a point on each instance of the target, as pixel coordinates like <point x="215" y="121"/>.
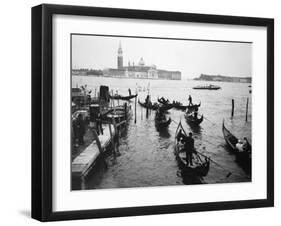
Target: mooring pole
<point x="117" y="97"/>
<point x="232" y="110"/>
<point x="141" y="113"/>
<point x="247" y="109"/>
<point x="125" y="108"/>
<point x="135" y="109"/>
<point x="112" y="139"/>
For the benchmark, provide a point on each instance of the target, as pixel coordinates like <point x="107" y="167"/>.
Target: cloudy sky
<point x="192" y="58"/>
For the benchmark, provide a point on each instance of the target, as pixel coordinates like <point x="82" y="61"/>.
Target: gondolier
<point x="190" y="100"/>
<point x="189" y="149"/>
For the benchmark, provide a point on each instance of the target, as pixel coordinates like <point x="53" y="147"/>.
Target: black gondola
<point x="119" y="97"/>
<point x="161" y="121"/>
<point x="193" y="107"/>
<point x="243" y="157"/>
<point x="193" y="121"/>
<point x="162" y="100"/>
<point x="199" y="169"/>
<point x="152" y="106"/>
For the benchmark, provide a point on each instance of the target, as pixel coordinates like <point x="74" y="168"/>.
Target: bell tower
<point x="120" y="57"/>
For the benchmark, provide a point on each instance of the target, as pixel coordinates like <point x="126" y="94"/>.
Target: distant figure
<point x="99" y="124"/>
<point x="190" y="100"/>
<point x="130" y="93"/>
<point x="80" y="129"/>
<point x="189" y="149"/>
<point x="147" y="99"/>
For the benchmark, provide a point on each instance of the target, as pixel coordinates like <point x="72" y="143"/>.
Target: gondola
<point x="151" y="106"/>
<point x="179" y="106"/>
<point x="193" y="107"/>
<point x="119" y="97"/>
<point x="163" y="100"/>
<point x="200" y="168"/>
<point x="243" y="157"/>
<point x="165" y="107"/>
<point x="162" y="123"/>
<point x="191" y="120"/>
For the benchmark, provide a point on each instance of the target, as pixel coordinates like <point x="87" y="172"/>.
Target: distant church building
<point x="120" y="57"/>
<point x="140" y="70"/>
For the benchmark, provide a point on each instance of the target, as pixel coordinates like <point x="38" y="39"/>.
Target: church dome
<point x="141" y="62"/>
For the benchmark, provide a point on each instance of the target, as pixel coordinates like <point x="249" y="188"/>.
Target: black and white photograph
<point x="152" y="112"/>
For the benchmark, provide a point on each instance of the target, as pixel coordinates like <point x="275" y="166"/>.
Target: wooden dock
<point x="86" y="159"/>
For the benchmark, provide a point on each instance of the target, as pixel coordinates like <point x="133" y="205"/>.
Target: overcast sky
<point x="192" y="58"/>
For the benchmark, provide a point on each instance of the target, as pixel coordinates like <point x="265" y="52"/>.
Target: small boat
<point x="162" y="123"/>
<point x="152" y="106"/>
<point x="179" y="106"/>
<point x="119" y="97"/>
<point x="165" y="107"/>
<point x="208" y="87"/>
<point x="162" y="100"/>
<point x="193" y="121"/>
<point x="242" y="156"/>
<point x="193" y="107"/>
<point x="200" y="168"/>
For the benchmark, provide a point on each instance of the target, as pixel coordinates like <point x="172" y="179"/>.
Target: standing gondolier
<point x="189" y="149"/>
<point x="190" y="100"/>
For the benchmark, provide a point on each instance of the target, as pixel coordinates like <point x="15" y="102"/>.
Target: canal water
<point x="146" y="155"/>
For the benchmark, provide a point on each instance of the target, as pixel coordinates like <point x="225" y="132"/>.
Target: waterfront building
<point x="140" y="71"/>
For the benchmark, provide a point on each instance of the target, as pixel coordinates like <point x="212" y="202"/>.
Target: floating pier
<point x="82" y="164"/>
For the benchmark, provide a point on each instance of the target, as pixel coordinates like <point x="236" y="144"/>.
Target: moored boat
<point x="161" y="120"/>
<point x="199" y="168"/>
<point x="192" y="120"/>
<point x="193" y="107"/>
<point x="208" y="87"/>
<point x="152" y="106"/>
<point x="162" y="123"/>
<point x="243" y="155"/>
<point x="119" y="97"/>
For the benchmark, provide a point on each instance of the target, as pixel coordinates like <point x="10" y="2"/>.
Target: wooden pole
<point x="232" y="110"/>
<point x="247" y="109"/>
<point x="141" y="113"/>
<point x="117" y="99"/>
<point x="112" y="139"/>
<point x="135" y="109"/>
<point x="125" y="106"/>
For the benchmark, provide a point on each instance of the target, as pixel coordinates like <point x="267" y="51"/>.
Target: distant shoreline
<point x="127" y="77"/>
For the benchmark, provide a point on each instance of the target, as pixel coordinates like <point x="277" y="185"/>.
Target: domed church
<point x="139" y="71"/>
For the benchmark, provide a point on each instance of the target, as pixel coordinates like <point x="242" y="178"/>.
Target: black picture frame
<point x="42" y="107"/>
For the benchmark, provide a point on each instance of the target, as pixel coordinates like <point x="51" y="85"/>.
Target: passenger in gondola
<point x="189" y="149"/>
<point x="246" y="145"/>
<point x="180" y="136"/>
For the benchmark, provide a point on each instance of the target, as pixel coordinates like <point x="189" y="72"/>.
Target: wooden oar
<point x="229" y="172"/>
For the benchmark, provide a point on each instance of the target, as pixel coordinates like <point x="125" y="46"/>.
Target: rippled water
<point x="146" y="155"/>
